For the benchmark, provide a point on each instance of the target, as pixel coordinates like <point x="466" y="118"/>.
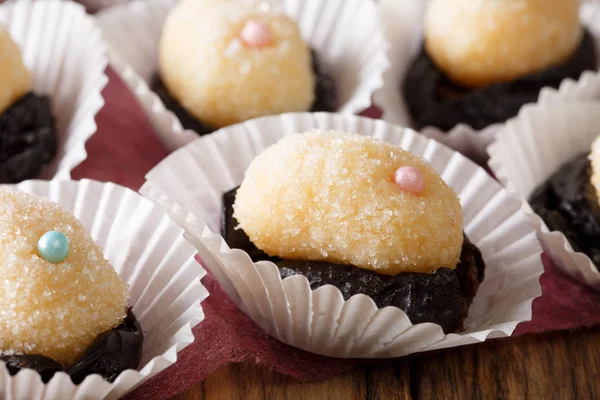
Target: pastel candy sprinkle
<point x="256" y="34"/>
<point x="53" y="246"/>
<point x="409" y="179"/>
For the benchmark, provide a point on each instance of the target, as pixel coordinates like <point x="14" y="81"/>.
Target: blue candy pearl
<point x="53" y="246"/>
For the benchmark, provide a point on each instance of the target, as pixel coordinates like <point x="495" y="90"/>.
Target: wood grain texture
<point x="560" y="365"/>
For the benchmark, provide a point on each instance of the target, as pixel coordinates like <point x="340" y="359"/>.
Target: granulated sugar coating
<point x="331" y="196"/>
<point x="482" y="42"/>
<point x="220" y="79"/>
<point x="55" y="310"/>
<point x="15" y="78"/>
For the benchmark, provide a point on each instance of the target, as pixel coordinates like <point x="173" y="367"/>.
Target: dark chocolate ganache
<point x="112" y="352"/>
<point x="434" y="100"/>
<point x="567" y="202"/>
<point x="28" y="138"/>
<point x="442" y="297"/>
<point x="325" y="98"/>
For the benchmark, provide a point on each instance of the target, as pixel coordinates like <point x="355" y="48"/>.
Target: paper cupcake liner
<point x="149" y="252"/>
<point x="346" y="34"/>
<point x="532" y="147"/>
<point x="63" y="48"/>
<point x="194" y="177"/>
<point x="403" y="21"/>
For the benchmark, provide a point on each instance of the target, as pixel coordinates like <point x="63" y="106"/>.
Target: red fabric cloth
<point x="125" y="148"/>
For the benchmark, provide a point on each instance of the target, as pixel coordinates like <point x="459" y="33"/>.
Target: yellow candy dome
<point x="16" y="80"/>
<point x="52" y="309"/>
<point x="350" y="199"/>
<point x="482" y="42"/>
<point x="229" y="61"/>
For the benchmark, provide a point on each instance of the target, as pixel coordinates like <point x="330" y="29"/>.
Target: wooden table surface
<point x="559" y="365"/>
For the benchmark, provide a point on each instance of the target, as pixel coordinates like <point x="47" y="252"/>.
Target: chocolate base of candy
<point x="325" y="98"/>
<point x="434" y="100"/>
<point x="110" y="354"/>
<point x="45" y="366"/>
<point x="442" y="297"/>
<point x="28" y="138"/>
<point x="567" y="202"/>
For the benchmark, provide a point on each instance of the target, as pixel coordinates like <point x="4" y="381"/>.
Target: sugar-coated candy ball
<point x="333" y="196"/>
<point x="228" y="61"/>
<point x="482" y="42"/>
<point x="15" y="80"/>
<point x="47" y="308"/>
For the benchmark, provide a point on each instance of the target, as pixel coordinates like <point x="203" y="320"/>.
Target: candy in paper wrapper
<point x="404" y="24"/>
<point x="28" y="135"/>
<point x="435" y="99"/>
<point x="63" y="49"/>
<point x="321" y="321"/>
<point x="133" y="30"/>
<point x="479" y="43"/>
<point x="533" y="147"/>
<point x="123" y="224"/>
<point x="53" y="309"/>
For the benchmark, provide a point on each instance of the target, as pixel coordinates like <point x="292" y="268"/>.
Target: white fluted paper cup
<point x="403" y="21"/>
<point x="63" y="48"/>
<point x="529" y="149"/>
<point x="194" y="177"/>
<point x="150" y="254"/>
<point x="346" y="34"/>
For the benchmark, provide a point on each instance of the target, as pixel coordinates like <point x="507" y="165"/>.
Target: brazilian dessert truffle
<point x="482" y="60"/>
<point x="362" y="215"/>
<point x="568" y="202"/>
<point x="228" y="61"/>
<point x="27" y="133"/>
<point x="64" y="307"/>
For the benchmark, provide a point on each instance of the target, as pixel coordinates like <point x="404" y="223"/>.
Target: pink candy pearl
<point x="256" y="34"/>
<point x="409" y="179"/>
